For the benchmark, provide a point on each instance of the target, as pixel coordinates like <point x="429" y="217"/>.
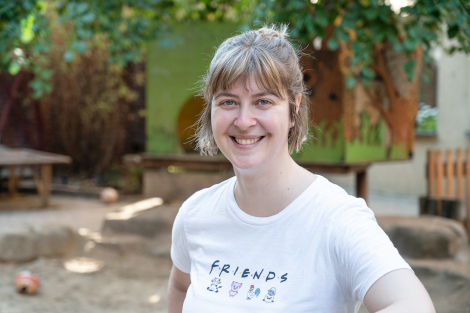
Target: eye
<point x="228" y="102"/>
<point x="264" y="102"/>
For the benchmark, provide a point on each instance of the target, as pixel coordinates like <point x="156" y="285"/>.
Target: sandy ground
<point x="124" y="282"/>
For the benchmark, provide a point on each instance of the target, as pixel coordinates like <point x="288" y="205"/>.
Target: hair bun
<point x="274" y="30"/>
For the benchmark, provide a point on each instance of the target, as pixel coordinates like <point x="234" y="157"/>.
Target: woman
<point x="276" y="237"/>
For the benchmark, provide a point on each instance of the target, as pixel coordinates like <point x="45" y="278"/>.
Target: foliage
<point x="126" y="25"/>
<point x="87" y="114"/>
<point x="365" y="24"/>
<point x="426" y="119"/>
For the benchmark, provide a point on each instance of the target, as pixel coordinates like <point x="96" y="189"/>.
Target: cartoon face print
<point x="252" y="293"/>
<point x="214" y="285"/>
<point x="270" y="295"/>
<point x="235" y="287"/>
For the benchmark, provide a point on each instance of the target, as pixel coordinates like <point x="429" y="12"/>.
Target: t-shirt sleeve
<point x="179" y="245"/>
<point x="361" y="251"/>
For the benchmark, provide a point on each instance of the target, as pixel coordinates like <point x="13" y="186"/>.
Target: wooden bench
<point x="456" y="174"/>
<point x="216" y="163"/>
<point x="40" y="164"/>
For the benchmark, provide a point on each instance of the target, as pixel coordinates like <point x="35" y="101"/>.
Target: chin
<point x="244" y="163"/>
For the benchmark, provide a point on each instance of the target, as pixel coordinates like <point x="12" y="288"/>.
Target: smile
<point x="247" y="141"/>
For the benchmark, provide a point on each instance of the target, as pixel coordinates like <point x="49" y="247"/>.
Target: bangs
<point x="242" y="64"/>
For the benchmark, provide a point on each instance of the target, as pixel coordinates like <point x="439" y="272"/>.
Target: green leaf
<point x="409" y="45"/>
<point x="367" y="72"/>
<point x="45" y="74"/>
<point x="342" y="35"/>
<point x="88" y="17"/>
<point x="14" y="68"/>
<point x="81" y="7"/>
<point x="68" y="56"/>
<point x="452" y="32"/>
<point x="27" y="33"/>
<point x="79" y="46"/>
<point x="467" y="31"/>
<point x="398" y="47"/>
<point x="348" y="23"/>
<point x="371" y="13"/>
<point x="321" y="20"/>
<point x="332" y="44"/>
<point x="409" y="66"/>
<point x="350" y="82"/>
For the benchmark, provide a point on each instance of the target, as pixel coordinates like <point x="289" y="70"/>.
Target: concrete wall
<point x="453" y="102"/>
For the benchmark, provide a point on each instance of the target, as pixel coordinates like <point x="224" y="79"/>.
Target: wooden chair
<point x="456" y="174"/>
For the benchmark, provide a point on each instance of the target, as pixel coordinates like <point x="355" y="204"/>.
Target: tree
<point x="45" y="42"/>
<point x="366" y="32"/>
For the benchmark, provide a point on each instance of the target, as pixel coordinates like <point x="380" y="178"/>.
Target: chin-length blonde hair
<point x="267" y="55"/>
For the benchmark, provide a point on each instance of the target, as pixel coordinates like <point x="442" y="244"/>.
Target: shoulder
<point x="207" y="196"/>
<point x="336" y="200"/>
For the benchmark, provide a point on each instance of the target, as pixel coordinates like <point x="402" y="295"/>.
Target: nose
<point x="245" y="118"/>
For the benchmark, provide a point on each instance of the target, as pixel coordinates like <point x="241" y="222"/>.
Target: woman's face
<point x="250" y="124"/>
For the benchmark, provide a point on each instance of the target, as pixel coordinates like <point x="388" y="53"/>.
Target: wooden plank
<point x="217" y="163"/>
<point x="450" y="174"/>
<point x="440" y="181"/>
<point x="432" y="184"/>
<point x="29" y="157"/>
<point x="467" y="167"/>
<point x="459" y="174"/>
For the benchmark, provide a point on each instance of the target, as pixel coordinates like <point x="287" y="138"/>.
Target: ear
<point x="298" y="99"/>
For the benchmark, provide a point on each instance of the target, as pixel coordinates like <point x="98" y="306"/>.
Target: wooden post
<point x="450" y="174"/>
<point x="459" y="169"/>
<point x="431" y="174"/>
<point x="467" y="174"/>
<point x="440" y="182"/>
<point x="46" y="175"/>
<point x="361" y="184"/>
<point x="13" y="181"/>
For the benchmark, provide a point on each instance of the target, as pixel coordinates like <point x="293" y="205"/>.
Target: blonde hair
<point x="267" y="54"/>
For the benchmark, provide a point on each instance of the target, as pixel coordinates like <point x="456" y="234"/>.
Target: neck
<point x="272" y="187"/>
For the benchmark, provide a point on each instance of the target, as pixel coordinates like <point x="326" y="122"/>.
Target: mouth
<point x="246" y="142"/>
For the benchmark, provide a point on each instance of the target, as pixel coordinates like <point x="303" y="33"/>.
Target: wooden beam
<point x="459" y="169"/>
<point x="440" y="181"/>
<point x="450" y="174"/>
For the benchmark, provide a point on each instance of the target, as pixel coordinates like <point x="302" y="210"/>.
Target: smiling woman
<point x="276" y="229"/>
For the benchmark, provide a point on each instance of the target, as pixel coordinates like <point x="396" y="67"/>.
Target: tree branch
<point x="378" y="104"/>
<point x="380" y="68"/>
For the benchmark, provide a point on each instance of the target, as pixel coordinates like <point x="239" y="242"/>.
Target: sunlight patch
<point x="83" y="265"/>
<point x="128" y="211"/>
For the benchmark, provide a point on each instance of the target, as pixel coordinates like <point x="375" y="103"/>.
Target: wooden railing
<point x="456" y="173"/>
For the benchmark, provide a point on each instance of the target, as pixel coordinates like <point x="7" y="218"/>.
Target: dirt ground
<point x="104" y="279"/>
<point x="124" y="282"/>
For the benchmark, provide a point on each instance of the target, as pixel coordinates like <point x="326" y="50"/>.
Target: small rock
<point x="28" y="243"/>
<point x="425" y="236"/>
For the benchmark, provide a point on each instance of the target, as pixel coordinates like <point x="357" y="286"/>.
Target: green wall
<point x="172" y="75"/>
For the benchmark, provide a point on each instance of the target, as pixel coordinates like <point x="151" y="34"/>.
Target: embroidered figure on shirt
<point x="213" y="287"/>
<point x="235" y="287"/>
<point x="251" y="294"/>
<point x="270" y="295"/>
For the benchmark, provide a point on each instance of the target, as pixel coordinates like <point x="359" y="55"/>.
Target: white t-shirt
<point x="320" y="254"/>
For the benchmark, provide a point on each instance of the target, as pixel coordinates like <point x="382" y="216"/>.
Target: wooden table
<point x="40" y="164"/>
<point x="194" y="161"/>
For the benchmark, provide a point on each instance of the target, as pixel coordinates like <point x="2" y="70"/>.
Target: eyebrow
<point x="260" y="94"/>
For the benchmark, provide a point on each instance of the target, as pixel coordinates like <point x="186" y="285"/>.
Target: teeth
<point x="246" y="141"/>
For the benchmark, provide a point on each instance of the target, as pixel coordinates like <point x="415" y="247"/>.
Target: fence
<point x="456" y="174"/>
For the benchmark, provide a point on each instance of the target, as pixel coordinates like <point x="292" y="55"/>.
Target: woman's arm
<point x="398" y="291"/>
<point x="177" y="287"/>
